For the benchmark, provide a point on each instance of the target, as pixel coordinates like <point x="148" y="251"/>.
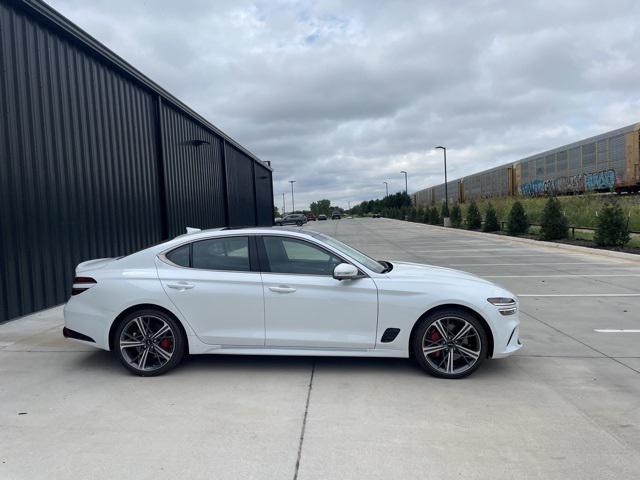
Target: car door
<point x="305" y="306"/>
<point x="212" y="282"/>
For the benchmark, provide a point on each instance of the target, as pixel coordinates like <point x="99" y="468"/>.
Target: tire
<point x="299" y="223"/>
<point x="134" y="337"/>
<point x="449" y="356"/>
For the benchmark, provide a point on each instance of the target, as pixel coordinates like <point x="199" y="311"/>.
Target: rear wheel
<point x="449" y="344"/>
<point x="299" y="223"/>
<point x="149" y="343"/>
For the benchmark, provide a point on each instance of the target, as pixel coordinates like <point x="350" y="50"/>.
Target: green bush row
<point x="611" y="225"/>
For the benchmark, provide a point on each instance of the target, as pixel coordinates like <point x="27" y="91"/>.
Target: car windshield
<point x="351" y="252"/>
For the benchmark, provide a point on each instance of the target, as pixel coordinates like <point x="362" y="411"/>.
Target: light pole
<point x="446" y="191"/>
<point x="406" y="188"/>
<point x="386" y="186"/>
<point x="293" y="202"/>
<point x="283" y="205"/>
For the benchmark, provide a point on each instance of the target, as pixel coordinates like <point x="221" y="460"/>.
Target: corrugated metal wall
<point x="241" y="199"/>
<point x="194" y="174"/>
<point x="264" y="194"/>
<point x="94" y="162"/>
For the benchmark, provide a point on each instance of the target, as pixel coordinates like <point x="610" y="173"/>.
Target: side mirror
<point x="345" y="271"/>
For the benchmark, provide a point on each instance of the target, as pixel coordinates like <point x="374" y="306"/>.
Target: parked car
<point x="376" y="215"/>
<point x="322" y="217"/>
<point x="293" y="219"/>
<point x="310" y="217"/>
<point x="199" y="293"/>
<point x="336" y="215"/>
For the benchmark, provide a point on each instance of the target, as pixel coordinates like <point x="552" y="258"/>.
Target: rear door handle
<point x="181" y="286"/>
<point x="282" y="289"/>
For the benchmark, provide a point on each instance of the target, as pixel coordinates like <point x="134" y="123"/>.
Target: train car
<point x="606" y="162"/>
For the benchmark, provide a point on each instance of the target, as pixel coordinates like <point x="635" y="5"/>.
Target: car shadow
<point x="107" y="364"/>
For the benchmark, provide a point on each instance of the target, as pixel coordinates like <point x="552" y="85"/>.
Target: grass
<point x="580" y="210"/>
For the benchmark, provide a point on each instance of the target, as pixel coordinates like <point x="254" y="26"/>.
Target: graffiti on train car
<point x="602" y="180"/>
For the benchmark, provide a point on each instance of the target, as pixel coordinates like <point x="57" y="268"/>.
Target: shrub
<point x="434" y="216"/>
<point x="518" y="223"/>
<point x="411" y="216"/>
<point x="554" y="225"/>
<point x="612" y="229"/>
<point x="491" y="220"/>
<point x="456" y="216"/>
<point x="474" y="220"/>
<point x="426" y="215"/>
<point x="444" y="210"/>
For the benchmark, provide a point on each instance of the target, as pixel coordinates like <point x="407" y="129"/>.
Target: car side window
<point x="288" y="255"/>
<point x="180" y="256"/>
<point x="230" y="253"/>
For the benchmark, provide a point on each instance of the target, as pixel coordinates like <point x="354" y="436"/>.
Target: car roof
<point x="226" y="231"/>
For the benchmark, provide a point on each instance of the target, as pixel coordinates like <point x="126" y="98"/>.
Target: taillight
<point x="80" y="284"/>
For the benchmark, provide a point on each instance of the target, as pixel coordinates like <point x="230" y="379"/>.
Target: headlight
<point x="506" y="306"/>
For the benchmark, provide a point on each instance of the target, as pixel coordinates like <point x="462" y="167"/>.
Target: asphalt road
<point x="567" y="406"/>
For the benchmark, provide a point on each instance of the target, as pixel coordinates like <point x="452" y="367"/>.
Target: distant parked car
<point x="310" y="217"/>
<point x="293" y="219"/>
<point x="376" y="215"/>
<point x="322" y="217"/>
<point x="336" y="215"/>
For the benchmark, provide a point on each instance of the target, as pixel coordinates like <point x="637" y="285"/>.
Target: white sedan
<point x="267" y="291"/>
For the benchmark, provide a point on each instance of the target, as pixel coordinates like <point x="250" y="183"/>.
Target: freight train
<point x="604" y="163"/>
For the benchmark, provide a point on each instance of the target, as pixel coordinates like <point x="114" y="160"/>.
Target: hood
<point x="431" y="272"/>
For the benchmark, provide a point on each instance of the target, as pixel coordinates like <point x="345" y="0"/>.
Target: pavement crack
<point x="304" y="420"/>
<point x="579" y="341"/>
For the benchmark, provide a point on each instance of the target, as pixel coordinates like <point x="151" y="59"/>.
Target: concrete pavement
<point x="566" y="406"/>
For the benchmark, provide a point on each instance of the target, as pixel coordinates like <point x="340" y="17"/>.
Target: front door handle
<point x="181" y="286"/>
<point x="282" y="289"/>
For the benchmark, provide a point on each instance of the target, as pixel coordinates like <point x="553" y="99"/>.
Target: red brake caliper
<point x="165" y="344"/>
<point x="434" y="337"/>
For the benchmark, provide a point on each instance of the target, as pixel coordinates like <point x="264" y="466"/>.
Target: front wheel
<point x="299" y="223"/>
<point x="449" y="344"/>
<point x="149" y="343"/>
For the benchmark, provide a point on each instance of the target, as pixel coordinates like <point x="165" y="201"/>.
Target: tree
<point x="456" y="216"/>
<point x="612" y="229"/>
<point x="518" y="223"/>
<point x="276" y="213"/>
<point x="474" y="219"/>
<point x="434" y="216"/>
<point x="554" y="225"/>
<point x="491" y="220"/>
<point x="412" y="214"/>
<point x="321" y="207"/>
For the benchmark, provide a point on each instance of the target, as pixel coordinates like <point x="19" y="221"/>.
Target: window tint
<point x="231" y="253"/>
<point x="287" y="255"/>
<point x="179" y="256"/>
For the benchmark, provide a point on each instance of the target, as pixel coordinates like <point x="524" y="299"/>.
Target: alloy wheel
<point x="451" y="345"/>
<point x="147" y="343"/>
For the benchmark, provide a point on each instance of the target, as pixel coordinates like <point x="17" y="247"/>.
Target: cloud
<point x="341" y="96"/>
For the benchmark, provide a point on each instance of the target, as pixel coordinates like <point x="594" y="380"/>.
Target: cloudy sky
<point x="341" y="96"/>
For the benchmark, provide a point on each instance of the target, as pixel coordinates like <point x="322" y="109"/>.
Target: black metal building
<point x="96" y="160"/>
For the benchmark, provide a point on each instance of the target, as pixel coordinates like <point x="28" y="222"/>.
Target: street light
<point x="293" y="202"/>
<point x="386" y="185"/>
<point x="406" y="189"/>
<point x="446" y="191"/>
<point x="283" y="205"/>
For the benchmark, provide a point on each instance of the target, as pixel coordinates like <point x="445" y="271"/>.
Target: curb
<point x="631" y="257"/>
